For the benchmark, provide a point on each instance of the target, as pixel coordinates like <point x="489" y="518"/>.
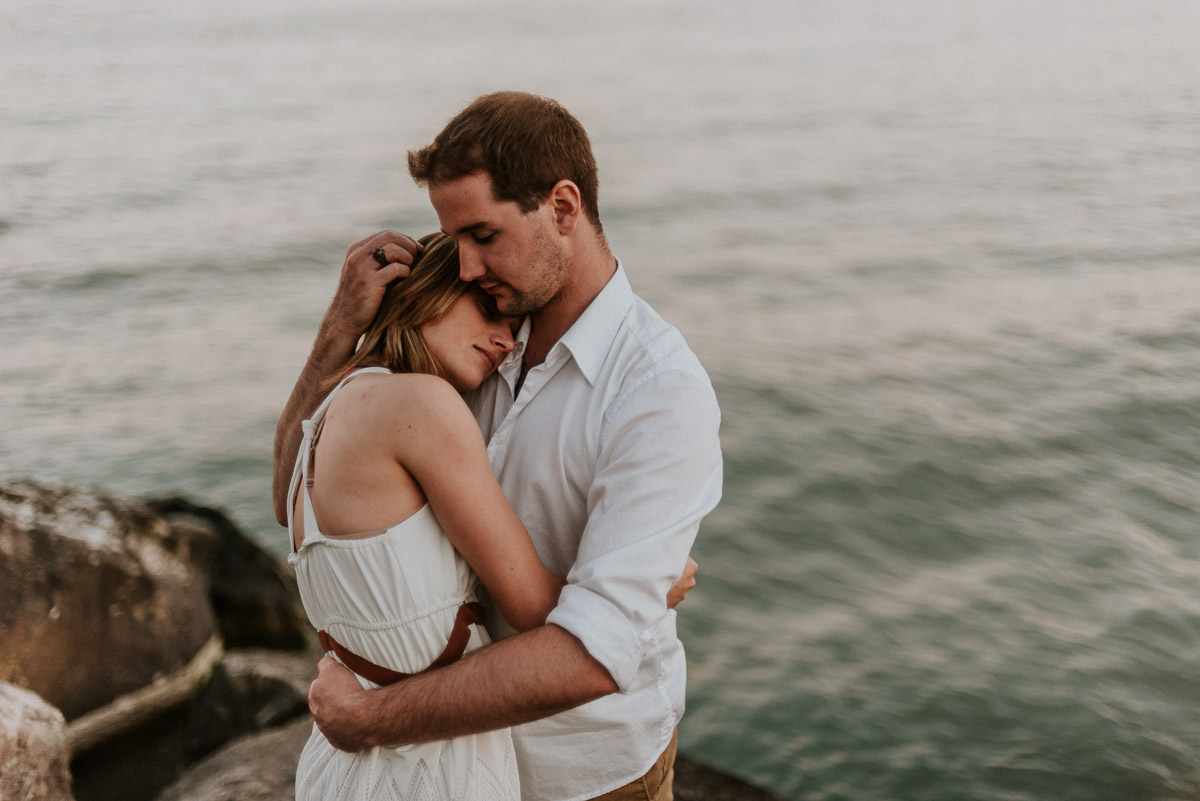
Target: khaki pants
<point x="656" y="785"/>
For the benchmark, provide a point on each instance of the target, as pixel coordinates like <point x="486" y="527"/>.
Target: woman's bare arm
<point x="438" y="441"/>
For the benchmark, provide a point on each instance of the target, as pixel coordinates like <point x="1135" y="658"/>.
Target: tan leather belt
<point x="468" y="614"/>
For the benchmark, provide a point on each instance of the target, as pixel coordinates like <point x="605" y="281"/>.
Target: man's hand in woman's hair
<point x="365" y="276"/>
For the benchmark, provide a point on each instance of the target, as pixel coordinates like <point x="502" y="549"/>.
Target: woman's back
<point x="360" y="484"/>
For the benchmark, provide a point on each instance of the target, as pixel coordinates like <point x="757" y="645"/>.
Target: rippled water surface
<point x="942" y="262"/>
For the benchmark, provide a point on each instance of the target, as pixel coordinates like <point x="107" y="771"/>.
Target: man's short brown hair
<point x="524" y="143"/>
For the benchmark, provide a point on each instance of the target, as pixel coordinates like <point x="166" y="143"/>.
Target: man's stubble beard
<point x="552" y="277"/>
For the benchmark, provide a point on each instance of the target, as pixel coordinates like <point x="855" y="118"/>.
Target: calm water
<point x="942" y="262"/>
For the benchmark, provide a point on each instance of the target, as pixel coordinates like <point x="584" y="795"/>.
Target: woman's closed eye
<point x="487" y="305"/>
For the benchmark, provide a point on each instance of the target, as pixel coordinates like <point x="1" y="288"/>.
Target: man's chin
<point x="510" y="306"/>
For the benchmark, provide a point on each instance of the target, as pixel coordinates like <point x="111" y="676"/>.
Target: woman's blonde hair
<point x="394" y="339"/>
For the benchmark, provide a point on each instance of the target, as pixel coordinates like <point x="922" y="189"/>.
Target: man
<point x="602" y="429"/>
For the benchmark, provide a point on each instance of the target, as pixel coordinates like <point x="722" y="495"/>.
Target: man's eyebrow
<point x="466" y="229"/>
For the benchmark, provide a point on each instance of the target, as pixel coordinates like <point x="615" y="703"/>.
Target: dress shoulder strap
<point x="302" y="472"/>
<point x="319" y="414"/>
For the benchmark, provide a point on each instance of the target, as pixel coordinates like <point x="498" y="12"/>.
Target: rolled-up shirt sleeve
<point x="658" y="474"/>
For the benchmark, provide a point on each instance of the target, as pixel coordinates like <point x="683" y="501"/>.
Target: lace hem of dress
<point x="369" y="776"/>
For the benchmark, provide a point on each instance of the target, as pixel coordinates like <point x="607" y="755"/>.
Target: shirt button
<point x="501" y="438"/>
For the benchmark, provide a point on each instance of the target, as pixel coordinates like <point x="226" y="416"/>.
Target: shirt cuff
<point x="603" y="629"/>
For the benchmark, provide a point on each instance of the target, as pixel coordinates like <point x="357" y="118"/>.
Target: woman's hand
<point x="685" y="584"/>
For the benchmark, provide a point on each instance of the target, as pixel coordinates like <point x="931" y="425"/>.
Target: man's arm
<point x="658" y="474"/>
<point x="526" y="677"/>
<point x="517" y="680"/>
<point x="359" y="292"/>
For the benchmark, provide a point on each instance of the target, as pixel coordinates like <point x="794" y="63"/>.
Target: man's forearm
<point x="330" y="351"/>
<point x="371" y="264"/>
<point x="523" y="678"/>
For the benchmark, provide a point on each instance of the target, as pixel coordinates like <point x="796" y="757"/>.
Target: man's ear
<point x="566" y="204"/>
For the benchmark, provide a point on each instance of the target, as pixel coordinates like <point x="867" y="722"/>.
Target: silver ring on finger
<point x="380" y="257"/>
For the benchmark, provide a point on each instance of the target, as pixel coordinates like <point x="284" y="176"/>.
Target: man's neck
<point x="591" y="269"/>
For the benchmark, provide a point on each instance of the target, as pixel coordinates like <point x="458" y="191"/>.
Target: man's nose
<point x="470" y="266"/>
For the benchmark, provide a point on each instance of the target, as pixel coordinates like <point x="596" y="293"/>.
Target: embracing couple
<point x="490" y="414"/>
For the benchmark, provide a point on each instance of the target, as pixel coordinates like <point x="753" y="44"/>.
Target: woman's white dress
<point x="392" y="598"/>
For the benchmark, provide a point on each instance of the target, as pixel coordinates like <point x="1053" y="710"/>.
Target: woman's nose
<point x="503" y="341"/>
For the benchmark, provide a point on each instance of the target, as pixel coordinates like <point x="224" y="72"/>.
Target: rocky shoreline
<point x="149" y="651"/>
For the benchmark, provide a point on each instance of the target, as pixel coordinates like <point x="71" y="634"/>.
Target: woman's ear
<point x="565" y="203"/>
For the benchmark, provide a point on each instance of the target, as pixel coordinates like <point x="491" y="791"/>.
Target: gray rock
<point x="250" y="690"/>
<point x="33" y="748"/>
<point x="260" y="767"/>
<point x="254" y="597"/>
<point x="97" y="597"/>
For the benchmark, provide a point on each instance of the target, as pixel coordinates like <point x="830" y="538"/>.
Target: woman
<point x="394" y="512"/>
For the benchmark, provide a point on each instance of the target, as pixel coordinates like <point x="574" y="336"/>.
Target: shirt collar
<point x="591" y="336"/>
<point x="510" y="365"/>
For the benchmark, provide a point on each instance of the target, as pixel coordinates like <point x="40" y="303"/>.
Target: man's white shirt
<point x="610" y="455"/>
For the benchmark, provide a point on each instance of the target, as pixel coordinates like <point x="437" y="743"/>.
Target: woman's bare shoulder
<point x="401" y="398"/>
